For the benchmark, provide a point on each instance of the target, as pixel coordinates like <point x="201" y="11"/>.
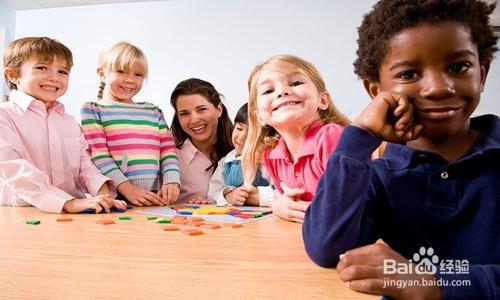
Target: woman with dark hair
<point x="202" y="130"/>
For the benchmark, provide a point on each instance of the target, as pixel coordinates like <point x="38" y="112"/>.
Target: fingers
<point x="236" y="199"/>
<point x="299" y="205"/>
<point x="199" y="200"/>
<point x="370" y="285"/>
<point x="289" y="209"/>
<point x="359" y="272"/>
<point x="120" y="204"/>
<point x="170" y="193"/>
<point x="297" y="210"/>
<point x="292" y="193"/>
<point x="152" y="198"/>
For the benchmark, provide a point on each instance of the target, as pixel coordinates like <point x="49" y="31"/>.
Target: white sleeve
<point x="266" y="193"/>
<point x="216" y="185"/>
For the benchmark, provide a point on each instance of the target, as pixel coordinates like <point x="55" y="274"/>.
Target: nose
<point x="283" y="90"/>
<point x="53" y="76"/>
<point x="437" y="85"/>
<point x="128" y="78"/>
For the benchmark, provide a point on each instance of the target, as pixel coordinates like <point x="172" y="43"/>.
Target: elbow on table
<point x="319" y="250"/>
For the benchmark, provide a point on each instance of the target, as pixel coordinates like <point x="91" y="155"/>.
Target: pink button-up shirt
<point x="44" y="158"/>
<point x="194" y="174"/>
<point x="319" y="142"/>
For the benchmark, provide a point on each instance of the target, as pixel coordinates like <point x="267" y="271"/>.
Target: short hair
<point x="390" y="17"/>
<point x="43" y="48"/>
<point x="242" y="115"/>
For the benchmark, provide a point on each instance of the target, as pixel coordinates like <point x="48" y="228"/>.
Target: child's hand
<point x="253" y="195"/>
<point x="289" y="206"/>
<point x="390" y="117"/>
<point x="199" y="200"/>
<point x="139" y="197"/>
<point x="362" y="270"/>
<point x="97" y="203"/>
<point x="238" y="196"/>
<point x="169" y="193"/>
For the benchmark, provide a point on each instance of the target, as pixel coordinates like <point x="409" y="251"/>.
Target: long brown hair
<point x="224" y="125"/>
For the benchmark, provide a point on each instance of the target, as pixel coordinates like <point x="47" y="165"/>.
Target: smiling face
<point x="286" y="98"/>
<point x="437" y="66"/>
<point x="43" y="80"/>
<point x="122" y="85"/>
<point x="239" y="136"/>
<point x="198" y="118"/>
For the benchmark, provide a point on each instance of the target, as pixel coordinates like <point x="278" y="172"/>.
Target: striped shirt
<point x="131" y="142"/>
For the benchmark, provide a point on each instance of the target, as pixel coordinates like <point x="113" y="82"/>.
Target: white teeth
<point x="128" y="89"/>
<point x="287" y="104"/>
<point x="49" y="88"/>
<point x="199" y="127"/>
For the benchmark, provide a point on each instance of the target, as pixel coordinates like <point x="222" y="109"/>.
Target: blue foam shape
<point x="113" y="209"/>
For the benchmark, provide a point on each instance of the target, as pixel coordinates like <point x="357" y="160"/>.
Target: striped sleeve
<point x="168" y="156"/>
<point x="93" y="131"/>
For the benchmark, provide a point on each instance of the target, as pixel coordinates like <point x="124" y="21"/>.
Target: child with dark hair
<point x="226" y="185"/>
<point x="433" y="196"/>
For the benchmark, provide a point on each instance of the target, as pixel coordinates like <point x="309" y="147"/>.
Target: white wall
<point x="216" y="40"/>
<point x="7" y="30"/>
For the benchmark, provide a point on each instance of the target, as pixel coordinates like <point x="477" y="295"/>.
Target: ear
<point x="324" y="100"/>
<point x="372" y="88"/>
<point x="11" y="75"/>
<point x="100" y="73"/>
<point x="219" y="110"/>
<point x="485" y="68"/>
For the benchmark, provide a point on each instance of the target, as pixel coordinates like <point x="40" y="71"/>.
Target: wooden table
<point x="136" y="259"/>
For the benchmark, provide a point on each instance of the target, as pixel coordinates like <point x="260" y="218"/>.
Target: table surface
<point x="137" y="259"/>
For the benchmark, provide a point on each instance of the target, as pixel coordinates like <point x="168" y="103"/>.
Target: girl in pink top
<point x="293" y="128"/>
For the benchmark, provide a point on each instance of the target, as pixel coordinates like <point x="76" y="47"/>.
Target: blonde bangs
<point x="124" y="56"/>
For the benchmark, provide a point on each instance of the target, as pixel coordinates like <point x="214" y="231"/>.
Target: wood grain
<point x="137" y="259"/>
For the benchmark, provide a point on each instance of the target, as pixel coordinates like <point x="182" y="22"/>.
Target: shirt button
<point x="444" y="175"/>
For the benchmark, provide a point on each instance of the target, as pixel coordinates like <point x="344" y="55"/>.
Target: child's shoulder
<point x="327" y="131"/>
<point x="229" y="157"/>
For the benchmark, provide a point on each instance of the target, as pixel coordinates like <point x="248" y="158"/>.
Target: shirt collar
<point x="188" y="151"/>
<point x="307" y="148"/>
<point x="400" y="157"/>
<point x="25" y="102"/>
<point x="232" y="155"/>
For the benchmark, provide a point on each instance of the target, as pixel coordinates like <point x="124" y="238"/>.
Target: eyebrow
<point x="291" y="74"/>
<point x="199" y="106"/>
<point x="453" y="55"/>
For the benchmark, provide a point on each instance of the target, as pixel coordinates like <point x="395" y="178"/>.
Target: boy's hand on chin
<point x="390" y="117"/>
